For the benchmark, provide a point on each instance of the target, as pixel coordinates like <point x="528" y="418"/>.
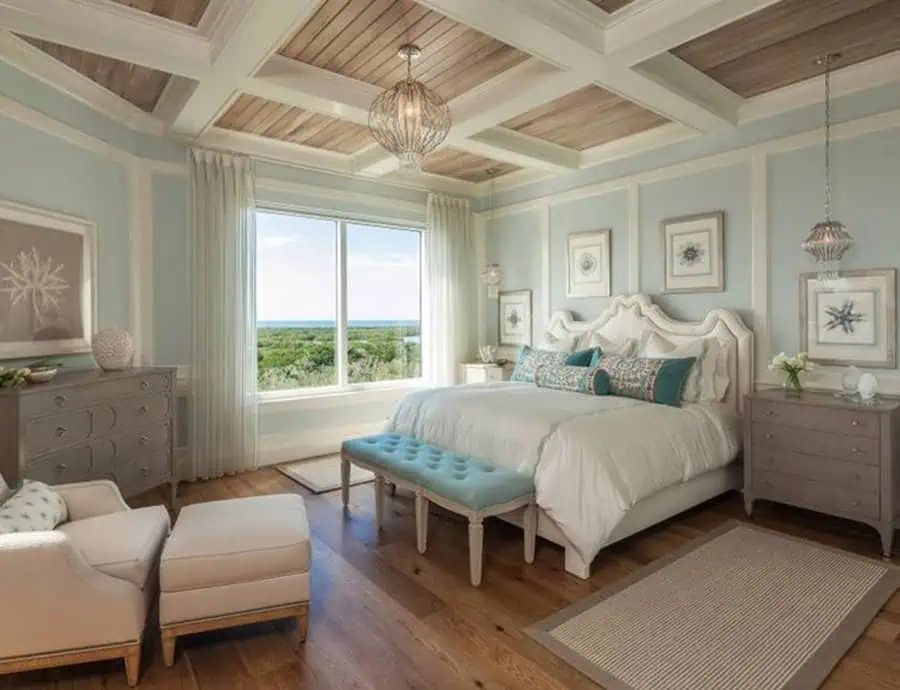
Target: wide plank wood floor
<point x="384" y="617"/>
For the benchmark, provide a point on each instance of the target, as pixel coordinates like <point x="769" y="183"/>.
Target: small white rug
<point x="323" y="474"/>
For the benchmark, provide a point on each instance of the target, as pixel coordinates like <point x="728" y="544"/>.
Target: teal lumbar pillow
<point x="643" y="378"/>
<point x="583" y="358"/>
<point x="572" y="378"/>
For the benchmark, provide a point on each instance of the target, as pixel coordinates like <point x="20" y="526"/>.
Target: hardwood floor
<point x="382" y="616"/>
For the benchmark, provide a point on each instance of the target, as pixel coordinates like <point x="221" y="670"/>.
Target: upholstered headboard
<point x="633" y="315"/>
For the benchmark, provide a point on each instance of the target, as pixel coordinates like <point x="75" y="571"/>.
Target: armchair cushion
<point x="33" y="508"/>
<point x="125" y="545"/>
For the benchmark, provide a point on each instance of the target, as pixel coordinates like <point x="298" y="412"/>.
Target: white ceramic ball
<point x="867" y="387"/>
<point x="113" y="349"/>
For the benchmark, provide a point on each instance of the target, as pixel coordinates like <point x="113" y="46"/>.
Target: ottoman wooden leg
<point x="421" y="521"/>
<point x="531" y="520"/>
<point x="379" y="501"/>
<point x="133" y="664"/>
<point x="345" y="482"/>
<point x="302" y="625"/>
<point x="168" y="646"/>
<point x="476" y="546"/>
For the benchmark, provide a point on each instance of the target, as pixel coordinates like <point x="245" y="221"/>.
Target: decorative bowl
<point x="41" y="375"/>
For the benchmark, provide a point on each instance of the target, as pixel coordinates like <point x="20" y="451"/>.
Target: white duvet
<point x="592" y="457"/>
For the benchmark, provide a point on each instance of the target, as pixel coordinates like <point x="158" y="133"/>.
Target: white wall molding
<point x="141" y="257"/>
<point x="538" y="325"/>
<point x="759" y="257"/>
<point x="311" y="192"/>
<point x="634" y="238"/>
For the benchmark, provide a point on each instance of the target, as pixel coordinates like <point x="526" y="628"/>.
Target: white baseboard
<point x="276" y="449"/>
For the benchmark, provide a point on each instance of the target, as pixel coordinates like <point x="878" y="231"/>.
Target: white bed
<point x="654" y="461"/>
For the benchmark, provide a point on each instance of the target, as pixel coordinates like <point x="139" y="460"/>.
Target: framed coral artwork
<point x="693" y="253"/>
<point x="47" y="295"/>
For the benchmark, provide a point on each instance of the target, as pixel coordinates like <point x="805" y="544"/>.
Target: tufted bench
<point x="460" y="483"/>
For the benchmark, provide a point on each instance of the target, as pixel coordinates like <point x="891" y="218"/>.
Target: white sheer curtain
<point x="449" y="316"/>
<point x="223" y="241"/>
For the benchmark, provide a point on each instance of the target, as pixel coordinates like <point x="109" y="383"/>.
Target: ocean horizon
<point x="333" y="324"/>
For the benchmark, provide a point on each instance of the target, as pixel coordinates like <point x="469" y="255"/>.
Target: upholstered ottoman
<point x="234" y="562"/>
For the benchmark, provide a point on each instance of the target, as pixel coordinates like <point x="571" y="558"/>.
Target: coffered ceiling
<point x="534" y="87"/>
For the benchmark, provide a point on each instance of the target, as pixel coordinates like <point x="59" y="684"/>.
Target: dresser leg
<point x="748" y="505"/>
<point x="887" y="541"/>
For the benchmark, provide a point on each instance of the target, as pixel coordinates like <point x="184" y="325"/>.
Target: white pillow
<point x="555" y="343"/>
<point x="33" y="508"/>
<point x="700" y="383"/>
<point x="617" y="348"/>
<point x="722" y="380"/>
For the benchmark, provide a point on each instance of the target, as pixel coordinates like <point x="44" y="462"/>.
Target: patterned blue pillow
<point x="642" y="378"/>
<point x="572" y="378"/>
<point x="530" y="359"/>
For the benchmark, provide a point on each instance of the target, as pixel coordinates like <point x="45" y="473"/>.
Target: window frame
<point x="344" y="388"/>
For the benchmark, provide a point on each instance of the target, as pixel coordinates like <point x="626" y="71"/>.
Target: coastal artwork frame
<point x="588" y="263"/>
<point x="514" y="318"/>
<point x="48" y="300"/>
<point x="693" y="253"/>
<point x="852" y="319"/>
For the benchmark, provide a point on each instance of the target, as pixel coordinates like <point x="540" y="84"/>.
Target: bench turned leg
<point x="531" y="522"/>
<point x="421" y="521"/>
<point x="345" y="482"/>
<point x="379" y="501"/>
<point x="476" y="547"/>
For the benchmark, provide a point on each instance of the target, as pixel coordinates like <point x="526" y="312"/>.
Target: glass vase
<point x="792" y="385"/>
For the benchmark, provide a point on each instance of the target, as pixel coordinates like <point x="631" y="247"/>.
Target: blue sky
<point x="296" y="269"/>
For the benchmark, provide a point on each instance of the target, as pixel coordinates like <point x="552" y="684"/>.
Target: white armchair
<point x="80" y="592"/>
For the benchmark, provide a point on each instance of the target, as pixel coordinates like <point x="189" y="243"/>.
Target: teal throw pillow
<point x="530" y="359"/>
<point x="584" y="358"/>
<point x="642" y="378"/>
<point x="572" y="378"/>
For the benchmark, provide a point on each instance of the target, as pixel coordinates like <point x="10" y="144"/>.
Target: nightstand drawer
<point x="851" y="448"/>
<point x="806" y="493"/>
<point x="853" y="422"/>
<point x="827" y="470"/>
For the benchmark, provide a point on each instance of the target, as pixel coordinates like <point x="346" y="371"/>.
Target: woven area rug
<point x="323" y="474"/>
<point x="742" y="608"/>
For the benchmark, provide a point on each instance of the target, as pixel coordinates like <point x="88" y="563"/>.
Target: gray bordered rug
<point x="743" y="607"/>
<point x="323" y="473"/>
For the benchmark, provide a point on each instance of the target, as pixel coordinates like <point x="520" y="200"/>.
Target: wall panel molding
<point x="759" y="271"/>
<point x="634" y="238"/>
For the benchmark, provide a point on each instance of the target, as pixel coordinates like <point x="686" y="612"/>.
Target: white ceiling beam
<point x="546" y="32"/>
<point x="110" y="29"/>
<point x="670" y="23"/>
<point x="501" y="144"/>
<point x="238" y="50"/>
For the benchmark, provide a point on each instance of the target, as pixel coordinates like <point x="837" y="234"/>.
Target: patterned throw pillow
<point x="530" y="359"/>
<point x="642" y="378"/>
<point x="575" y="379"/>
<point x="33" y="508"/>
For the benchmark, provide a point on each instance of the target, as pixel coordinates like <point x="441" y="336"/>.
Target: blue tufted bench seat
<point x="460" y="483"/>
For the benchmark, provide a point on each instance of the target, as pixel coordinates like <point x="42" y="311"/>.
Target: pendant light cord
<point x="828" y="137"/>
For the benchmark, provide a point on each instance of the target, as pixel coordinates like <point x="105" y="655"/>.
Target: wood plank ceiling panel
<point x="183" y="11"/>
<point x="360" y="38"/>
<point x="611" y="5"/>
<point x="466" y="166"/>
<point x="140" y="86"/>
<point x="277" y="121"/>
<point x="585" y="118"/>
<point x="778" y="46"/>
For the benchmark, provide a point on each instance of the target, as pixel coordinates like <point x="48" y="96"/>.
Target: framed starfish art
<point x="515" y="317"/>
<point x="587" y="264"/>
<point x="693" y="253"/>
<point x="47" y="300"/>
<point x="851" y="320"/>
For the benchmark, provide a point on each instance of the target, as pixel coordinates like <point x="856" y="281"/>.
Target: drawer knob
<point x="855" y="422"/>
<point x="145" y="386"/>
<point x="768" y="482"/>
<point x="770" y="413"/>
<point x="144" y="409"/>
<point x="62" y="467"/>
<point x="854" y="450"/>
<point x="145" y="440"/>
<point x="857" y="476"/>
<point x="145" y="471"/>
<point x="854" y="504"/>
<point x="61" y="431"/>
<point x="770" y="436"/>
<point x="60" y="400"/>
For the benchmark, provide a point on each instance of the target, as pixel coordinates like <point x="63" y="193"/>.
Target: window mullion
<point x="341" y="345"/>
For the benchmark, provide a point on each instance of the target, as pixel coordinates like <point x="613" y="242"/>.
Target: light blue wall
<point x="723" y="189"/>
<point x="45" y="172"/>
<point x="866" y="199"/>
<point x="595" y="213"/>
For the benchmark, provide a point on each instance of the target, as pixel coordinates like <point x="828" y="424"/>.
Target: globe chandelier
<point x="829" y="239"/>
<point x="409" y="120"/>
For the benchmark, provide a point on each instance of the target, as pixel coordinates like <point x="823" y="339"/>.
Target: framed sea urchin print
<point x="587" y="264"/>
<point x="693" y="253"/>
<point x="850" y="320"/>
<point x="515" y="317"/>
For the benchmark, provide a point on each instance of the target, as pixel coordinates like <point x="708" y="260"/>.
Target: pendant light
<point x="409" y="120"/>
<point x="828" y="240"/>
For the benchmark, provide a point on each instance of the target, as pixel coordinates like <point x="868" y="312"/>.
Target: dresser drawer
<point x="54" y="401"/>
<point x="142" y="459"/>
<point x="806" y="493"/>
<point x="141" y="410"/>
<point x="852" y="448"/>
<point x="46" y="434"/>
<point x="852" y="422"/>
<point x="830" y="471"/>
<point x="63" y="467"/>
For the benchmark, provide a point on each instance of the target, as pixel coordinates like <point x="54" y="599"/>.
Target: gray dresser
<point x="825" y="454"/>
<point x="92" y="425"/>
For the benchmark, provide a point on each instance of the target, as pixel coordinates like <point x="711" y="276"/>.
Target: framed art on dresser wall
<point x="515" y="317"/>
<point x="587" y="264"/>
<point x="850" y="320"/>
<point x="47" y="293"/>
<point x="693" y="253"/>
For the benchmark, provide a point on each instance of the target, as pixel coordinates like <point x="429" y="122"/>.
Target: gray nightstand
<point x="818" y="452"/>
<point x="476" y="372"/>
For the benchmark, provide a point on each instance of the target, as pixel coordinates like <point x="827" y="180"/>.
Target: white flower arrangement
<point x="792" y="368"/>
